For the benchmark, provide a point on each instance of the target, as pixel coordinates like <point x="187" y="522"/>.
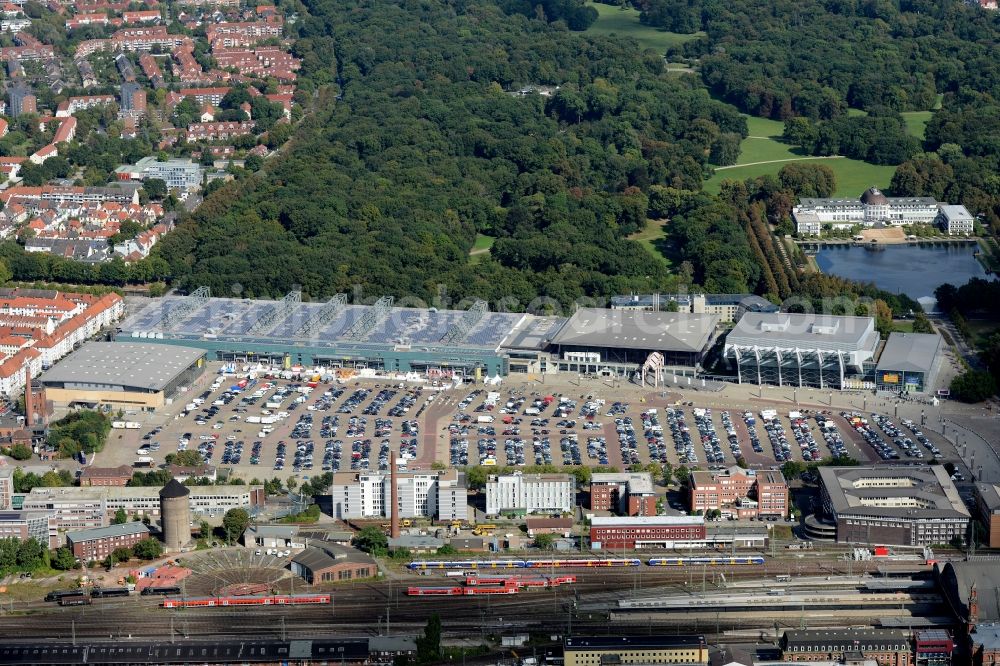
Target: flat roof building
<point x="988" y="509"/>
<point x="521" y="494"/>
<point x="739" y="493"/>
<point x="908" y="363"/>
<point x="907" y="506"/>
<point x="791" y="349"/>
<point x="441" y="495"/>
<point x="629" y="336"/>
<point x="636" y="532"/>
<point x="24" y="525"/>
<point x="120" y="374"/>
<point x="598" y="650"/>
<point x="630" y="493"/>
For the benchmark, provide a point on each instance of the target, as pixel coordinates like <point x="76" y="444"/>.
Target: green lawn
<point x="481" y="247"/>
<point x="652" y="237"/>
<point x="916" y="122"/>
<point x="763" y="142"/>
<point x="625" y="23"/>
<point x="853" y="176"/>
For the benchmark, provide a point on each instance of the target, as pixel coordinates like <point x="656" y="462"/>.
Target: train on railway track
<point x="579" y="563"/>
<point x="272" y="600"/>
<point x="479" y="585"/>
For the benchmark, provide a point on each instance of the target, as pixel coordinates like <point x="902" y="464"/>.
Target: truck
<point x="268" y="420"/>
<point x="143" y="462"/>
<point x="254" y="419"/>
<point x="118" y="425"/>
<point x="132" y="425"/>
<point x="532" y="411"/>
<point x="485" y="419"/>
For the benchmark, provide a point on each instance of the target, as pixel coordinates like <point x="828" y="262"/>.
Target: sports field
<point x="625" y="23"/>
<point x="762" y="153"/>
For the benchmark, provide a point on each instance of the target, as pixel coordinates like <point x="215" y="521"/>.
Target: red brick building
<point x="887" y="647"/>
<point x="98" y="542"/>
<point x="645" y="531"/>
<point x="106" y="476"/>
<point x="629" y="494"/>
<point x="330" y="563"/>
<point x="933" y="647"/>
<point x="740" y="493"/>
<point x="559" y="526"/>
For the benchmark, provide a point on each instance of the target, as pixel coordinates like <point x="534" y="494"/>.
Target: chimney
<point x="29" y="407"/>
<point x="394" y="499"/>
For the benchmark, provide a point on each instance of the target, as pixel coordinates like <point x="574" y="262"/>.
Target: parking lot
<point x="278" y="427"/>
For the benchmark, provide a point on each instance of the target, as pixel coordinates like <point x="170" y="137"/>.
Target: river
<point x="914" y="270"/>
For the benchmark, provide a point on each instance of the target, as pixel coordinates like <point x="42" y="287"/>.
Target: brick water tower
<point x="175" y="515"/>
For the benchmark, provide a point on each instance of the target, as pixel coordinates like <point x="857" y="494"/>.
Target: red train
<point x="490" y="585"/>
<point x="273" y="600"/>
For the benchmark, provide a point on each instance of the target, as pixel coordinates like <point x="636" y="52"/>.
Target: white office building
<point x="530" y="493"/>
<point x="956" y="220"/>
<point x="176" y="173"/>
<point x="872" y="208"/>
<point x="440" y="495"/>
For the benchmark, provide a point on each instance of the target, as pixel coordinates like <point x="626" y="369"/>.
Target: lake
<point x="914" y="270"/>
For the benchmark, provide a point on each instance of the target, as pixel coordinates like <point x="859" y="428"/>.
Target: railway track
<point x="360" y="609"/>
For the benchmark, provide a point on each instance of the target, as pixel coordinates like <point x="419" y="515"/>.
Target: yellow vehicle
<point x="406" y="522"/>
<point x="484" y="530"/>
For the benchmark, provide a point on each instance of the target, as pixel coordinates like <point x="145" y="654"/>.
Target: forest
<point x="419" y="142"/>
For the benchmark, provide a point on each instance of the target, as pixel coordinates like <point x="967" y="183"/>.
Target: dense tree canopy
<point x="431" y="143"/>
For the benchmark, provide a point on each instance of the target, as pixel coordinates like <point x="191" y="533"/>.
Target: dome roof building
<point x="874" y="197"/>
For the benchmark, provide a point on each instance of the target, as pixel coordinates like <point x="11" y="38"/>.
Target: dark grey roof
<point x="874" y="197"/>
<point x="989" y="494"/>
<point x="910" y="352"/>
<point x="315" y="558"/>
<point x="146" y="366"/>
<point x="956" y="580"/>
<point x="125" y="529"/>
<point x="174" y="488"/>
<point x="624" y="642"/>
<point x="637" y="329"/>
<point x="929" y="485"/>
<point x="852" y="638"/>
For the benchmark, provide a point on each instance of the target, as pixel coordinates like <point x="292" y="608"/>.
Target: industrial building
<point x="740" y="493"/>
<point x="628" y="494"/>
<point x="906" y="506"/>
<point x="624" y="650"/>
<point x="330" y="563"/>
<point x="437" y="343"/>
<point x="98" y="542"/>
<point x="522" y="494"/>
<point x="122" y="375"/>
<point x="799" y="350"/>
<point x="647" y="532"/>
<point x="908" y="363"/>
<point x="441" y="495"/>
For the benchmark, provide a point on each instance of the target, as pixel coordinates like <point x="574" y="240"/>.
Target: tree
<point x="186" y="458"/>
<point x="792" y="469"/>
<point x="20" y="451"/>
<point x="119" y="555"/>
<point x="63" y="559"/>
<point x="921" y="323"/>
<point x="120" y="517"/>
<point x="371" y="540"/>
<point x="235" y="523"/>
<point x="446" y="549"/>
<point x="545" y="541"/>
<point x="429" y="645"/>
<point x="147" y="549"/>
<point x="156" y="188"/>
<point x="973" y="386"/>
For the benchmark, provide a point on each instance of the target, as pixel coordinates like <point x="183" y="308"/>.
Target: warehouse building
<point x="623" y="650"/>
<point x="637" y="532"/>
<point x="329" y="563"/>
<point x="908" y="363"/>
<point x="441" y="495"/>
<point x="122" y="375"/>
<point x="905" y="506"/>
<point x="789" y="349"/>
<point x="522" y="494"/>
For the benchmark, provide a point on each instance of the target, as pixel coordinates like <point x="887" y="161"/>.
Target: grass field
<point x="762" y="147"/>
<point x="916" y="122"/>
<point x="651" y="238"/>
<point x="481" y="247"/>
<point x="625" y="23"/>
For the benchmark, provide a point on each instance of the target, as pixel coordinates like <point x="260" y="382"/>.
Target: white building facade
<point x="530" y="493"/>
<point x="439" y="495"/>
<point x="872" y="208"/>
<point x="956" y="220"/>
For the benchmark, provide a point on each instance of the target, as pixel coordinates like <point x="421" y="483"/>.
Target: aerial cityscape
<point x="569" y="333"/>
